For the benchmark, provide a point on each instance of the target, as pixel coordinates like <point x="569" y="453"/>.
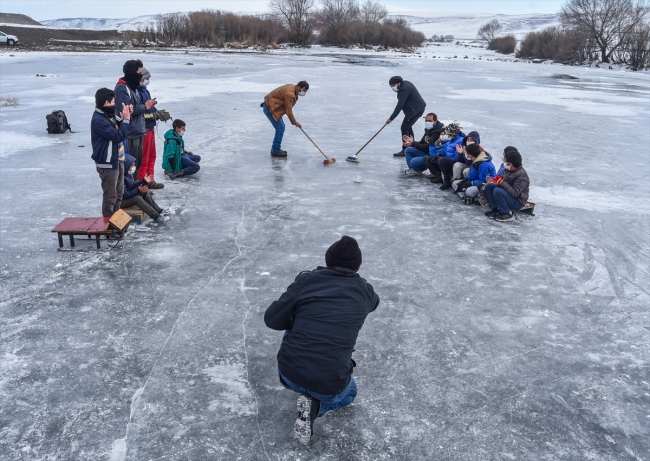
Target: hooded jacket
<point x="130" y="185"/>
<point x="173" y="149"/>
<point x="125" y="95"/>
<point x="481" y="168"/>
<point x="517" y="184"/>
<point x="430" y="137"/>
<point x="323" y="311"/>
<point x="448" y="149"/>
<point x="149" y="120"/>
<point x="409" y="101"/>
<point x="107" y="137"/>
<point x="281" y="101"/>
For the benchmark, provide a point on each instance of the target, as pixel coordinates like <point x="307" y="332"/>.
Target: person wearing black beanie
<point x="321" y="314"/>
<point x="411" y="103"/>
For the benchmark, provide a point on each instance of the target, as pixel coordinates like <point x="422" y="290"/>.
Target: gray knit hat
<point x="145" y="73"/>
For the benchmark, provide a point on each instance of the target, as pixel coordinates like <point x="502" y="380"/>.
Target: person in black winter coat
<point x="410" y="102"/>
<point x="321" y="314"/>
<point x="137" y="193"/>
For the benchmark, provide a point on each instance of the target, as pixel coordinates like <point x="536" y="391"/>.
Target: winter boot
<point x="506" y="217"/>
<point x="412" y="172"/>
<point x="492" y="213"/>
<point x="399" y="154"/>
<point x="308" y="408"/>
<point x="279" y="154"/>
<point x="155" y="185"/>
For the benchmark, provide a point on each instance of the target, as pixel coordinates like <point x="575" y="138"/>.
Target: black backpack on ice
<point x="57" y="122"/>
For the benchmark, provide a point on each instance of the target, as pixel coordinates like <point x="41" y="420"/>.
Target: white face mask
<point x="145" y="82"/>
<point x="468" y="157"/>
<point x="132" y="170"/>
<point x="181" y="133"/>
<point x="444" y="137"/>
<point x="428" y="125"/>
<point x="302" y="93"/>
<point x="469" y="143"/>
<point x="394" y="88"/>
<point x="506" y="166"/>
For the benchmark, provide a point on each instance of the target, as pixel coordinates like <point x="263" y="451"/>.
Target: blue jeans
<point x="279" y="130"/>
<point x="415" y="158"/>
<point x="190" y="164"/>
<point x="501" y="199"/>
<point x="327" y="402"/>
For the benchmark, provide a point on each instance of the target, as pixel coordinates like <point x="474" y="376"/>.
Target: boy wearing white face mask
<point x="149" y="139"/>
<point x="137" y="193"/>
<point x="178" y="162"/>
<point x="410" y="102"/>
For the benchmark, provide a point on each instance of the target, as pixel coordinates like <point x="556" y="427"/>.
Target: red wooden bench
<point x="92" y="227"/>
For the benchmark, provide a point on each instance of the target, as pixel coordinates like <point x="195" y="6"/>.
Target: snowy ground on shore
<point x="492" y="341"/>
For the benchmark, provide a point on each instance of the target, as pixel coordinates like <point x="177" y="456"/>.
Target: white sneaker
<point x="412" y="172"/>
<point x="161" y="218"/>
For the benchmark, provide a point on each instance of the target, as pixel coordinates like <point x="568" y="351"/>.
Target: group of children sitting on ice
<point x="124" y="144"/>
<point x="458" y="163"/>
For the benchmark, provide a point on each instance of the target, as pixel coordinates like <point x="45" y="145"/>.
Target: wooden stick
<point x="312" y="141"/>
<point x="364" y="146"/>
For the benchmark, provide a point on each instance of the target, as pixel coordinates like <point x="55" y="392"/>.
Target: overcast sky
<point x="54" y="9"/>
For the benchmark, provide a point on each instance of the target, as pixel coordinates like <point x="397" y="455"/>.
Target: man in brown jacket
<point x="279" y="102"/>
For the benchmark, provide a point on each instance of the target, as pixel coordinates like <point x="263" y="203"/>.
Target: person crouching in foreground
<point x="321" y="314"/>
<point x="177" y="162"/>
<point x="137" y="193"/>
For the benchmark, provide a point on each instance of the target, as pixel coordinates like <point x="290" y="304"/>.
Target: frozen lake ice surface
<point x="522" y="341"/>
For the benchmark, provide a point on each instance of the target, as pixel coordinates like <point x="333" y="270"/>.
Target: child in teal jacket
<point x="177" y="162"/>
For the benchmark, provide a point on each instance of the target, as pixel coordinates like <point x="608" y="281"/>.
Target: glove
<point x="162" y="115"/>
<point x="463" y="185"/>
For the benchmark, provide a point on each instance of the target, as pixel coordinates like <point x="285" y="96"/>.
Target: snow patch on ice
<point x="14" y="143"/>
<point x="237" y="397"/>
<point x="585" y="102"/>
<point x="571" y="197"/>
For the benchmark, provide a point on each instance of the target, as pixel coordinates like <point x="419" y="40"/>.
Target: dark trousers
<point x="135" y="150"/>
<point x="441" y="166"/>
<point x="446" y="166"/>
<point x="145" y="203"/>
<point x="407" y="124"/>
<point x="112" y="188"/>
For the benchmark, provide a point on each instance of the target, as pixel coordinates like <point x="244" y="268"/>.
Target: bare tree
<point x="609" y="22"/>
<point x="337" y="12"/>
<point x="298" y="18"/>
<point x="372" y="13"/>
<point x="489" y="30"/>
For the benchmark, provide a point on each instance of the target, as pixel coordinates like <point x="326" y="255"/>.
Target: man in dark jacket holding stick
<point x="410" y="102"/>
<point x="321" y="314"/>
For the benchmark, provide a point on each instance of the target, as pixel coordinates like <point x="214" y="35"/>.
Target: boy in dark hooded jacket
<point x="108" y="131"/>
<point x="509" y="192"/>
<point x="321" y="314"/>
<point x="126" y="92"/>
<point x="137" y="193"/>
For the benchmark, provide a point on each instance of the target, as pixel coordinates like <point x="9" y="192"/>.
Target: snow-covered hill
<point x="460" y="25"/>
<point x="101" y="24"/>
<point x="465" y="26"/>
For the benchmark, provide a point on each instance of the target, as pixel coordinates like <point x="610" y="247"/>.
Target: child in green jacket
<point x="177" y="162"/>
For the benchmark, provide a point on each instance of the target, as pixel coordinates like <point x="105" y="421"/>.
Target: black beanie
<point x="473" y="150"/>
<point x="344" y="253"/>
<point x="395" y="80"/>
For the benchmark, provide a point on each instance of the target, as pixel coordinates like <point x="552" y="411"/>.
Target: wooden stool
<point x="92" y="227"/>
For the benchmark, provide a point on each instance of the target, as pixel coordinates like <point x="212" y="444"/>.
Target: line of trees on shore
<point x="300" y="22"/>
<point x="607" y="31"/>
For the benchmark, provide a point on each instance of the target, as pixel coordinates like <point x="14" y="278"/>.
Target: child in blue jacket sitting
<point x="481" y="168"/>
<point x="137" y="193"/>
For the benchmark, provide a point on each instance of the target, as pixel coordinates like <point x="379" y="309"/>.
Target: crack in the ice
<point x="118" y="451"/>
<point x="250" y="386"/>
